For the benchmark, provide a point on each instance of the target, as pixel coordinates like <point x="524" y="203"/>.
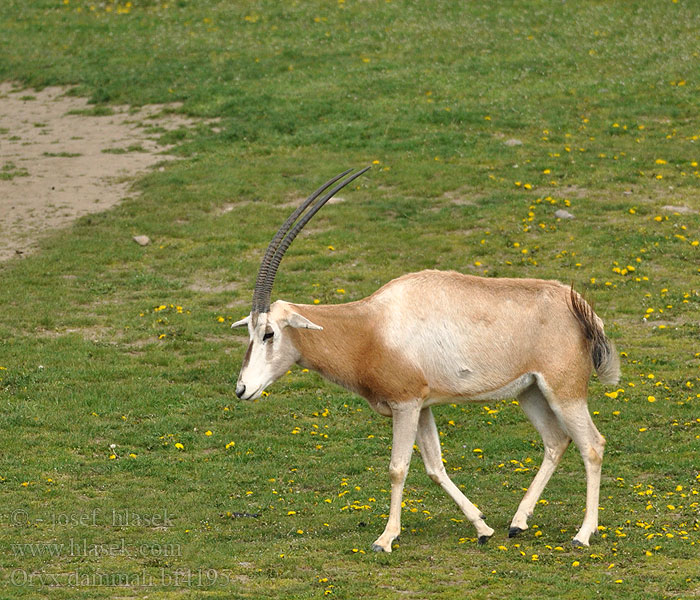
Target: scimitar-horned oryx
<point x="438" y="337"/>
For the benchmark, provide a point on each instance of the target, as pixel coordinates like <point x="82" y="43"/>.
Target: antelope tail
<point x="605" y="358"/>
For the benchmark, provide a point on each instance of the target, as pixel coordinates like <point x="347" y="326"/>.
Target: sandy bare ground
<point x="53" y="165"/>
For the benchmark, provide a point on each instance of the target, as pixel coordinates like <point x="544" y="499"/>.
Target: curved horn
<point x="285" y="236"/>
<point x="258" y="297"/>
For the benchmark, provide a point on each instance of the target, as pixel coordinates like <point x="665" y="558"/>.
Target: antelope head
<point x="270" y="350"/>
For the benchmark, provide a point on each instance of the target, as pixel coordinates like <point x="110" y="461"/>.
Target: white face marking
<point x="270" y="350"/>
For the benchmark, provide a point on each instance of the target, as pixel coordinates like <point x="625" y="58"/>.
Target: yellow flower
<point x="208" y="433"/>
<point x="179" y="446"/>
<point x="230" y="445"/>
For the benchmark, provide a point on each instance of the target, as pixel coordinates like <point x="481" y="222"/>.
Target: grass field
<point x="127" y="466"/>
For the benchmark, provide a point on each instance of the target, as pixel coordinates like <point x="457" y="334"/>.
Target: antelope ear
<point x="298" y="322"/>
<point x="242" y="323"/>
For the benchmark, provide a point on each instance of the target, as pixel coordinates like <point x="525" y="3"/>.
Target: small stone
<point x="513" y="142"/>
<point x="142" y="240"/>
<point x="563" y="214"/>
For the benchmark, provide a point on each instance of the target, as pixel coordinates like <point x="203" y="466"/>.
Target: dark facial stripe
<point x="246" y="358"/>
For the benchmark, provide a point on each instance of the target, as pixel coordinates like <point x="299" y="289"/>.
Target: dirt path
<point x="56" y="166"/>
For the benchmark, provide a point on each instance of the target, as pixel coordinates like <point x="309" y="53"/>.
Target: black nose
<point x="240" y="391"/>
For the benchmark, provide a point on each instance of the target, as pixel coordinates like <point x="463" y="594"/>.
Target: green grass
<point x="10" y="170"/>
<point x="604" y="98"/>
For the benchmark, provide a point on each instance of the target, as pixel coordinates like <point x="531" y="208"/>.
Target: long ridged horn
<point x="286" y="234"/>
<point x="258" y="301"/>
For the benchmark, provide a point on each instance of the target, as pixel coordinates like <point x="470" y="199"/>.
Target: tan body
<point x="468" y="338"/>
<point x="438" y="337"/>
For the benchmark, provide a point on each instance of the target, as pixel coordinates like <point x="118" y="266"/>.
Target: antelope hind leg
<point x="537" y="409"/>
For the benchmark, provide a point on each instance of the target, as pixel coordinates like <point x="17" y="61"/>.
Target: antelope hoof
<point x="483" y="539"/>
<point x="514" y="531"/>
<point x="378" y="548"/>
<point x="578" y="544"/>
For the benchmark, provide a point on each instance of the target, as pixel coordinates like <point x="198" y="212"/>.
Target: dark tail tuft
<point x="605" y="359"/>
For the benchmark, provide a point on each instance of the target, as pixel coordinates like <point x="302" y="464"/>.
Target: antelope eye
<point x="268" y="335"/>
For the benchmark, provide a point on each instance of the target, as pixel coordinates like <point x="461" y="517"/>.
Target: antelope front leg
<point x="429" y="444"/>
<point x="405" y="426"/>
